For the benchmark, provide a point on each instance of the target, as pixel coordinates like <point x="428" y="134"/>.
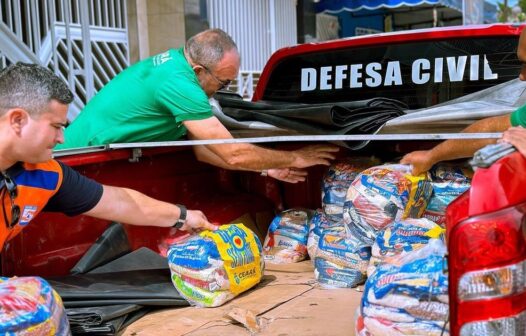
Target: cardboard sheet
<point x="287" y="302"/>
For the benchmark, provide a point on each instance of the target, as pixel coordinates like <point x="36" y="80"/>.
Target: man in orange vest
<point x="33" y="107"/>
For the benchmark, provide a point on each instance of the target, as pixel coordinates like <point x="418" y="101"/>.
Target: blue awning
<point x="337" y="6"/>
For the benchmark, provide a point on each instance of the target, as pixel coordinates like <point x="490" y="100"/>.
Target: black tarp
<point x="107" y="298"/>
<point x="341" y="118"/>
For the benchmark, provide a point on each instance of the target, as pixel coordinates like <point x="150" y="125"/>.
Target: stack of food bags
<point x="409" y="297"/>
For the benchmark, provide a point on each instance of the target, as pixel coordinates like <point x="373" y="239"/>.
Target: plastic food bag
<point x="337" y="180"/>
<point x="286" y="240"/>
<point x="382" y="194"/>
<point x="320" y="224"/>
<point x="215" y="266"/>
<point x="410" y="298"/>
<point x="341" y="261"/>
<point x="29" y="306"/>
<point x="403" y="237"/>
<point x="448" y="183"/>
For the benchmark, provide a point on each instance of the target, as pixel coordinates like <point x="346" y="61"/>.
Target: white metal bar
<point x="302" y="138"/>
<point x="69" y="49"/>
<point x="112" y="14"/>
<point x="92" y="12"/>
<point x="52" y="22"/>
<point x="18" y="20"/>
<point x="99" y="13"/>
<point x="9" y="14"/>
<point x="119" y="14"/>
<point x="86" y="49"/>
<point x="35" y="19"/>
<point x="105" y="13"/>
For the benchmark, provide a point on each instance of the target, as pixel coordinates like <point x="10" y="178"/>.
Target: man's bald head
<point x="209" y="47"/>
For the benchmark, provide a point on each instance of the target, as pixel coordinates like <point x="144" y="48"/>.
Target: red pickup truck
<point x="485" y="226"/>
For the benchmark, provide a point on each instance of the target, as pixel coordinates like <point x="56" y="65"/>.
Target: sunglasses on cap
<point x="12" y="191"/>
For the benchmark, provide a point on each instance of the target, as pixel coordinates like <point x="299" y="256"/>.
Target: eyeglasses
<point x="12" y="190"/>
<point x="224" y="84"/>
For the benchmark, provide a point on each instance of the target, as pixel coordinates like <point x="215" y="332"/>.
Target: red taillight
<point x="487" y="250"/>
<point x="487" y="270"/>
<point x="484" y="240"/>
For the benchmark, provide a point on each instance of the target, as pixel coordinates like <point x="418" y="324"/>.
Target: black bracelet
<point x="182" y="217"/>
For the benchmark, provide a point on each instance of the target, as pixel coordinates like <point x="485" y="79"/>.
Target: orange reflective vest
<point x="36" y="184"/>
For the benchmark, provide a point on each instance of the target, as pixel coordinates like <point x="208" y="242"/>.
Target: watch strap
<point x="182" y="217"/>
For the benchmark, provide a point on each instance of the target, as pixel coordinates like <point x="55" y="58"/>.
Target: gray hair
<point x="31" y="87"/>
<point x="208" y="47"/>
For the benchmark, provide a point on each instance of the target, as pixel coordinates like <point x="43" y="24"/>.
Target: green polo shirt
<point x="518" y="117"/>
<point x="146" y="102"/>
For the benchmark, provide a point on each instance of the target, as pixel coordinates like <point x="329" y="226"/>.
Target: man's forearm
<point x="131" y="207"/>
<point x="456" y="149"/>
<point x="256" y="158"/>
<point x="204" y="154"/>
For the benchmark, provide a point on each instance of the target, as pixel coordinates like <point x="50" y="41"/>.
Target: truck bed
<point x="286" y="302"/>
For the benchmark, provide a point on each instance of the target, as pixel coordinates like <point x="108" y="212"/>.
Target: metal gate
<point x="259" y="28"/>
<point x="83" y="41"/>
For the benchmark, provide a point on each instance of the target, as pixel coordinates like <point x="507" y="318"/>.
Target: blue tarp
<point x="336" y="6"/>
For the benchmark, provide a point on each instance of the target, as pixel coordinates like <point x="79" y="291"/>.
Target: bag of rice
<point x="320" y="224"/>
<point x="213" y="267"/>
<point x="448" y="183"/>
<point x="403" y="237"/>
<point x="337" y="180"/>
<point x="286" y="240"/>
<point x="382" y="194"/>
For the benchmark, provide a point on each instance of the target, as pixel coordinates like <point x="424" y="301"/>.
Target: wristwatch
<point x="182" y="217"/>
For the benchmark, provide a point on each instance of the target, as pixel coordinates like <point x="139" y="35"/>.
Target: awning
<point x="337" y="6"/>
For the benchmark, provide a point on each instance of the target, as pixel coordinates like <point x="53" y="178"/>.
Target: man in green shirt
<point x="511" y="124"/>
<point x="165" y="97"/>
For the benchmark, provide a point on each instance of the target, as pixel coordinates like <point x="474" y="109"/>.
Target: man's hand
<point x="420" y="160"/>
<point x="517" y="137"/>
<point x="314" y="155"/>
<point x="196" y="221"/>
<point x="291" y="175"/>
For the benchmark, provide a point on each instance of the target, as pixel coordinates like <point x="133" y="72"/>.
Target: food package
<point x="337" y="180"/>
<point x="320" y="224"/>
<point x="213" y="267"/>
<point x="403" y="237"/>
<point x="341" y="261"/>
<point x="448" y="183"/>
<point x="409" y="297"/>
<point x="286" y="240"/>
<point x="29" y="306"/>
<point x="382" y="194"/>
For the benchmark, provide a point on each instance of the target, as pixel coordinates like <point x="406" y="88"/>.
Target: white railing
<point x="83" y="41"/>
<point x="245" y="83"/>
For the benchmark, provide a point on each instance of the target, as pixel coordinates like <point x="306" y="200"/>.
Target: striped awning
<point x="336" y="6"/>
